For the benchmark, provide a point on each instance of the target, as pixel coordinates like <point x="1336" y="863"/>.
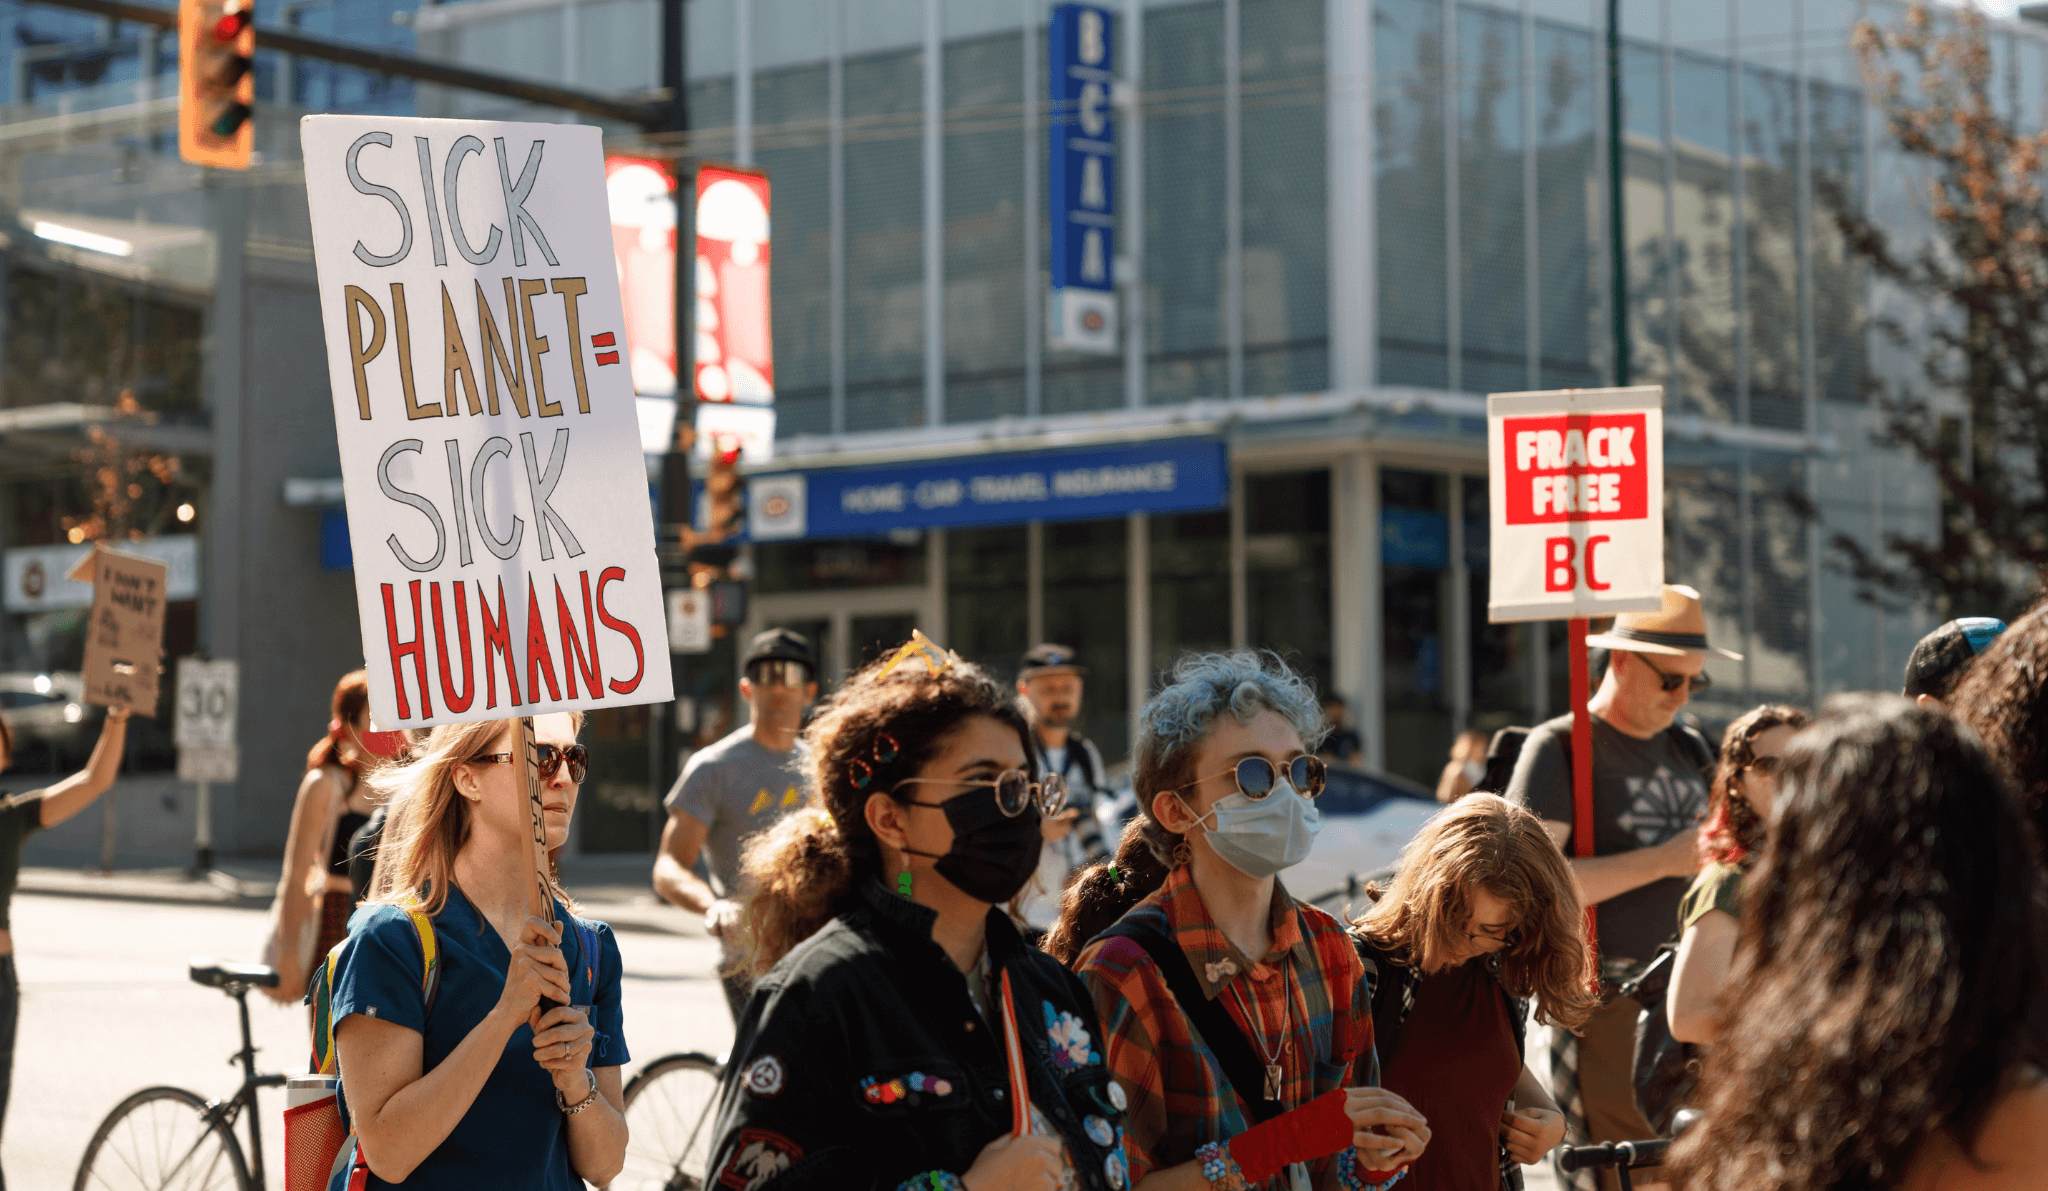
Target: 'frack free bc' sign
<point x="1578" y="502"/>
<point x="490" y="444"/>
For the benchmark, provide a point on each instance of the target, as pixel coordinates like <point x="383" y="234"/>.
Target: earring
<point x="903" y="884"/>
<point x="1182" y="854"/>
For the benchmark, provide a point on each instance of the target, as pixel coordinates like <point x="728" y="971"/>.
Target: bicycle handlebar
<point x="1612" y="1154"/>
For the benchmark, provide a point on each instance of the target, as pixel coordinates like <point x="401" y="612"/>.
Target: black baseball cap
<point x="1940" y="658"/>
<point x="780" y="645"/>
<point x="1047" y="659"/>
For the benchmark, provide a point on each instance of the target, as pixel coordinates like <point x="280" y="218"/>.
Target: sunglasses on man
<point x="1670" y="682"/>
<point x="550" y="759"/>
<point x="778" y="672"/>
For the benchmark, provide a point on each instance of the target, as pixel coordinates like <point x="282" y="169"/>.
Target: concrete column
<point x="1352" y="198"/>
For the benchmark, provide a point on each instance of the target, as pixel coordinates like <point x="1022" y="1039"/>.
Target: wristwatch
<point x="568" y="1109"/>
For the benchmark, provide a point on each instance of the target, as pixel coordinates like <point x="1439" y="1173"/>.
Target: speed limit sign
<point x="206" y="703"/>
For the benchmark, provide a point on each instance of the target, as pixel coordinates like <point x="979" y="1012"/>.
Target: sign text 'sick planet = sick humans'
<point x="500" y="523"/>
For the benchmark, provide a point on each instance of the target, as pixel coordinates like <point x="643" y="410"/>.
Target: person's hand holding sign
<point x="561" y="1045"/>
<point x="537" y="970"/>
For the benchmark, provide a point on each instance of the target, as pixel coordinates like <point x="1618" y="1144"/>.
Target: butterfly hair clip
<point x="921" y="648"/>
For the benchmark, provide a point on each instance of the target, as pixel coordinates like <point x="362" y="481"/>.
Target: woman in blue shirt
<point x="484" y="1091"/>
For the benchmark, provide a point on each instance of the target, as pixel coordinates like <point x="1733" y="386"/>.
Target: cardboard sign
<point x="124" y="641"/>
<point x="490" y="440"/>
<point x="1577" y="502"/>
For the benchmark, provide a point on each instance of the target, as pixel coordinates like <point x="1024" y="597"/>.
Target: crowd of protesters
<point x="1849" y="905"/>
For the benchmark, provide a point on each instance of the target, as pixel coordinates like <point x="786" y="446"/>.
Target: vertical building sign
<point x="735" y="359"/>
<point x="1081" y="169"/>
<point x="642" y="197"/>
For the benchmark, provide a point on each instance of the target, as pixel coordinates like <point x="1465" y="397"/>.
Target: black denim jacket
<point x="861" y="1061"/>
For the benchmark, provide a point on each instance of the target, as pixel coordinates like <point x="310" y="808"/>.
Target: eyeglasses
<point x="778" y="672"/>
<point x="1256" y="776"/>
<point x="1014" y="791"/>
<point x="550" y="757"/>
<point x="1671" y="682"/>
<point x="1767" y="766"/>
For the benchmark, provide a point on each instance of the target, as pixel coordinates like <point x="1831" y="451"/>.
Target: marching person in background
<point x="1237" y="1020"/>
<point x="1941" y="658"/>
<point x="734" y="789"/>
<point x="1649" y="789"/>
<point x="1482" y="915"/>
<point x="22" y="815"/>
<point x="1710" y="915"/>
<point x="1467" y="765"/>
<point x="1341" y="743"/>
<point x="483" y="1090"/>
<point x="1890" y="974"/>
<point x="876" y="1051"/>
<point x="314" y="894"/>
<point x="1051" y="683"/>
<point x="2004" y="699"/>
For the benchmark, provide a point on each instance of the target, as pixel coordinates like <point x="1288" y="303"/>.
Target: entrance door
<point x="848" y="629"/>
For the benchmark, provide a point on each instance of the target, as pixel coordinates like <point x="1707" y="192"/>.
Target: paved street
<point x="107" y="1009"/>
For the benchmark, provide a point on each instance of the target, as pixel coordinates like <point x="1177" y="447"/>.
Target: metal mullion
<point x="1454" y="329"/>
<point x="934" y="221"/>
<point x="743" y="81"/>
<point x="1233" y="195"/>
<point x="1034" y="331"/>
<point x="1131" y="205"/>
<point x="1532" y="256"/>
<point x="835" y="172"/>
<point x="1808" y="376"/>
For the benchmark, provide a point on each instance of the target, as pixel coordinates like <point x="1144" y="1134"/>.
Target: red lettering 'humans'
<point x="497" y="640"/>
<point x="417" y="647"/>
<point x="614" y="575"/>
<point x="456" y="703"/>
<point x="539" y="662"/>
<point x="573" y="655"/>
<point x="1559" y="555"/>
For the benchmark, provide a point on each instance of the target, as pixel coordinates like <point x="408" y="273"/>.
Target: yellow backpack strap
<point x="430" y="979"/>
<point x="323" y="1012"/>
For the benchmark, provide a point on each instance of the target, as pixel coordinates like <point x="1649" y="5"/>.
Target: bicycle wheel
<point x="671" y="1107"/>
<point x="160" y="1139"/>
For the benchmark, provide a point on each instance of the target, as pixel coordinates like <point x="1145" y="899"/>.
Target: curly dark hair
<point x="1733" y="829"/>
<point x="804" y="867"/>
<point x="2003" y="697"/>
<point x="1886" y="989"/>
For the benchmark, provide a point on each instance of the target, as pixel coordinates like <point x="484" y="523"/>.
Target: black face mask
<point x="993" y="855"/>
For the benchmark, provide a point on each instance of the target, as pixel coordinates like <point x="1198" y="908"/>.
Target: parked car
<point x="54" y="728"/>
<point x="1368" y="817"/>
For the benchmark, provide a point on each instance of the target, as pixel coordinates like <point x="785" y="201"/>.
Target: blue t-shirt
<point x="513" y="1136"/>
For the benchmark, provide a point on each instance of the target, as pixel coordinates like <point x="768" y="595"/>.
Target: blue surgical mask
<point x="1259" y="838"/>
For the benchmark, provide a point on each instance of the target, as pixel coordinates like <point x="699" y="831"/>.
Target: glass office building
<point x="1338" y="225"/>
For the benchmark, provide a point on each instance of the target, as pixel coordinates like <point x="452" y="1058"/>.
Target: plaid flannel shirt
<point x="1179" y="1097"/>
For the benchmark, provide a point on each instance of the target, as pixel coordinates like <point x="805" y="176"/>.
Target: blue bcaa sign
<point x="1159" y="477"/>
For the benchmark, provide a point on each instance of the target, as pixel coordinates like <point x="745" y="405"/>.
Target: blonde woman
<point x="484" y="1091"/>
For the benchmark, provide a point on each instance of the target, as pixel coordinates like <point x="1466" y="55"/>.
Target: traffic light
<point x="216" y="83"/>
<point x="722" y="489"/>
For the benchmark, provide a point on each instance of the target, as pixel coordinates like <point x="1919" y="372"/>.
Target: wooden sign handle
<point x="540" y="899"/>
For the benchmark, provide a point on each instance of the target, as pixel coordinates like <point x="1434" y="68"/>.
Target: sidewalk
<point x="612" y="889"/>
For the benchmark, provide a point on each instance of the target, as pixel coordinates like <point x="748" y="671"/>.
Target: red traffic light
<point x="234" y="19"/>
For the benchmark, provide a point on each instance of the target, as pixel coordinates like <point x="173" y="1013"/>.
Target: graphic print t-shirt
<point x="736" y="788"/>
<point x="1644" y="792"/>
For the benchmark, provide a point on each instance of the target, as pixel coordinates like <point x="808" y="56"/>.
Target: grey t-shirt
<point x="1644" y="792"/>
<point x="735" y="788"/>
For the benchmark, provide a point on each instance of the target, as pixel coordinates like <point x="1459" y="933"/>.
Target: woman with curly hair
<point x="1237" y="1020"/>
<point x="877" y="1049"/>
<point x="1483" y="914"/>
<point x="1709" y="916"/>
<point x="1890" y="974"/>
<point x="2003" y="697"/>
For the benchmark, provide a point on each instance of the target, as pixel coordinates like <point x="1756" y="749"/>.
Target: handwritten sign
<point x="124" y="641"/>
<point x="503" y="540"/>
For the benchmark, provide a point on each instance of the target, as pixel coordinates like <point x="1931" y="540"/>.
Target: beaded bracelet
<point x="932" y="1180"/>
<point x="1349" y="1178"/>
<point x="1219" y="1167"/>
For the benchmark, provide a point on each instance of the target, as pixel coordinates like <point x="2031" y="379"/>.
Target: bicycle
<point x="1625" y="1156"/>
<point x="163" y="1137"/>
<point x="671" y="1106"/>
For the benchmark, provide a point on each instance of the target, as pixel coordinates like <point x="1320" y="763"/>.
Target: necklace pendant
<point x="1272" y="1081"/>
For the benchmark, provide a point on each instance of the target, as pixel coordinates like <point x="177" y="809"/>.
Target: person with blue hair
<point x="1236" y="1019"/>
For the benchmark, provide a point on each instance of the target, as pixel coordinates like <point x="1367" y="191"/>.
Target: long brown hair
<point x="1733" y="829"/>
<point x="879" y="728"/>
<point x="2003" y="697"/>
<point x="427" y="819"/>
<point x="351" y="703"/>
<point x="1887" y="987"/>
<point x="1175" y="723"/>
<point x="1483" y="841"/>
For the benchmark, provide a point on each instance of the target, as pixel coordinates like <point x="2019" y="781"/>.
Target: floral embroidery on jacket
<point x="1071" y="1046"/>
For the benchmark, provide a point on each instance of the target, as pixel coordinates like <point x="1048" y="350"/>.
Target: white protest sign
<point x="504" y="544"/>
<point x="1577" y="499"/>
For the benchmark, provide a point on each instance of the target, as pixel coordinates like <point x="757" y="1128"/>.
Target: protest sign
<point x="503" y="538"/>
<point x="124" y="641"/>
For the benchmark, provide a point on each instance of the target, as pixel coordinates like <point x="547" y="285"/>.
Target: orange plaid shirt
<point x="1179" y="1097"/>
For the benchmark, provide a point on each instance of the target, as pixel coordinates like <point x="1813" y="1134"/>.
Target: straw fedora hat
<point x="1677" y="629"/>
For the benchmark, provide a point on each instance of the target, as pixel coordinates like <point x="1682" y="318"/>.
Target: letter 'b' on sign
<point x="1577" y="488"/>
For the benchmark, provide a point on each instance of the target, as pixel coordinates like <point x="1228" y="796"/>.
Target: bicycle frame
<point x="225" y="1111"/>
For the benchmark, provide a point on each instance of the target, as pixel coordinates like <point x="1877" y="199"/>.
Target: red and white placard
<point x="1577" y="502"/>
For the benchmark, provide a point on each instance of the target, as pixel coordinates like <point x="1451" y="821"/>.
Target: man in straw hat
<point x="1650" y="776"/>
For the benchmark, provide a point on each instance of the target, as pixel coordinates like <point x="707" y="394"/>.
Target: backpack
<point x="1665" y="1071"/>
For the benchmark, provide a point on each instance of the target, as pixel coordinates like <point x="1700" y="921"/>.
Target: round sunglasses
<point x="550" y="758"/>
<point x="1257" y="778"/>
<point x="1014" y="791"/>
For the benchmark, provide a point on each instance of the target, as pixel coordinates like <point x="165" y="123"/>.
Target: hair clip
<point x="860" y="773"/>
<point x="1115" y="877"/>
<point x="886" y="748"/>
<point x="936" y="661"/>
